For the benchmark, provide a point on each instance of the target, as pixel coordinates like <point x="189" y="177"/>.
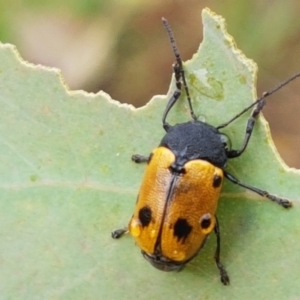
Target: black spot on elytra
<point x="217" y="181"/>
<point x="145" y="215"/>
<point x="205" y="221"/>
<point x="182" y="229"/>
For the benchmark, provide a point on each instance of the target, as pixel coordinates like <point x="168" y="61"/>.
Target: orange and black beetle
<point x="178" y="198"/>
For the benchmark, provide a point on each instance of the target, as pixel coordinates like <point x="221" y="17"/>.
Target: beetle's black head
<point x="162" y="263"/>
<point x="196" y="140"/>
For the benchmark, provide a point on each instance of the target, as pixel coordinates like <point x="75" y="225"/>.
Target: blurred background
<point x="121" y="47"/>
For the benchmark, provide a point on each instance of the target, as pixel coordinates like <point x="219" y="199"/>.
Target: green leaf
<point x="67" y="181"/>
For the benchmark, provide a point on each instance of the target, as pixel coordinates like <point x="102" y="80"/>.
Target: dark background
<point x="121" y="47"/>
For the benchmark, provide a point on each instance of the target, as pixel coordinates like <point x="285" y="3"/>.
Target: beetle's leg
<point x="249" y="130"/>
<point x="179" y="78"/>
<point x="281" y="201"/>
<point x="116" y="234"/>
<point x="137" y="158"/>
<point x="177" y="73"/>
<point x="223" y="274"/>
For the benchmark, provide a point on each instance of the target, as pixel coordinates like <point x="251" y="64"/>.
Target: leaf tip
<point x="213" y="20"/>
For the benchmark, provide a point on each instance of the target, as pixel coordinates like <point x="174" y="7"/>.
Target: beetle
<point x="177" y="201"/>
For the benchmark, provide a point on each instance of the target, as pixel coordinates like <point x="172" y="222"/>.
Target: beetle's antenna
<point x="178" y="67"/>
<point x="264" y="95"/>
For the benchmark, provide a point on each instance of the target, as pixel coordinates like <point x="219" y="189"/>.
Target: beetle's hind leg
<point x="281" y="201"/>
<point x="223" y="274"/>
<point x="116" y="234"/>
<point x="137" y="158"/>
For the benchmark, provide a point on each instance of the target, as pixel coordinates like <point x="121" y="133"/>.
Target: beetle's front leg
<point x="137" y="158"/>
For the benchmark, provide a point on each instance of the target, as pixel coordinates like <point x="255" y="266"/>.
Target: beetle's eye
<point x="226" y="141"/>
